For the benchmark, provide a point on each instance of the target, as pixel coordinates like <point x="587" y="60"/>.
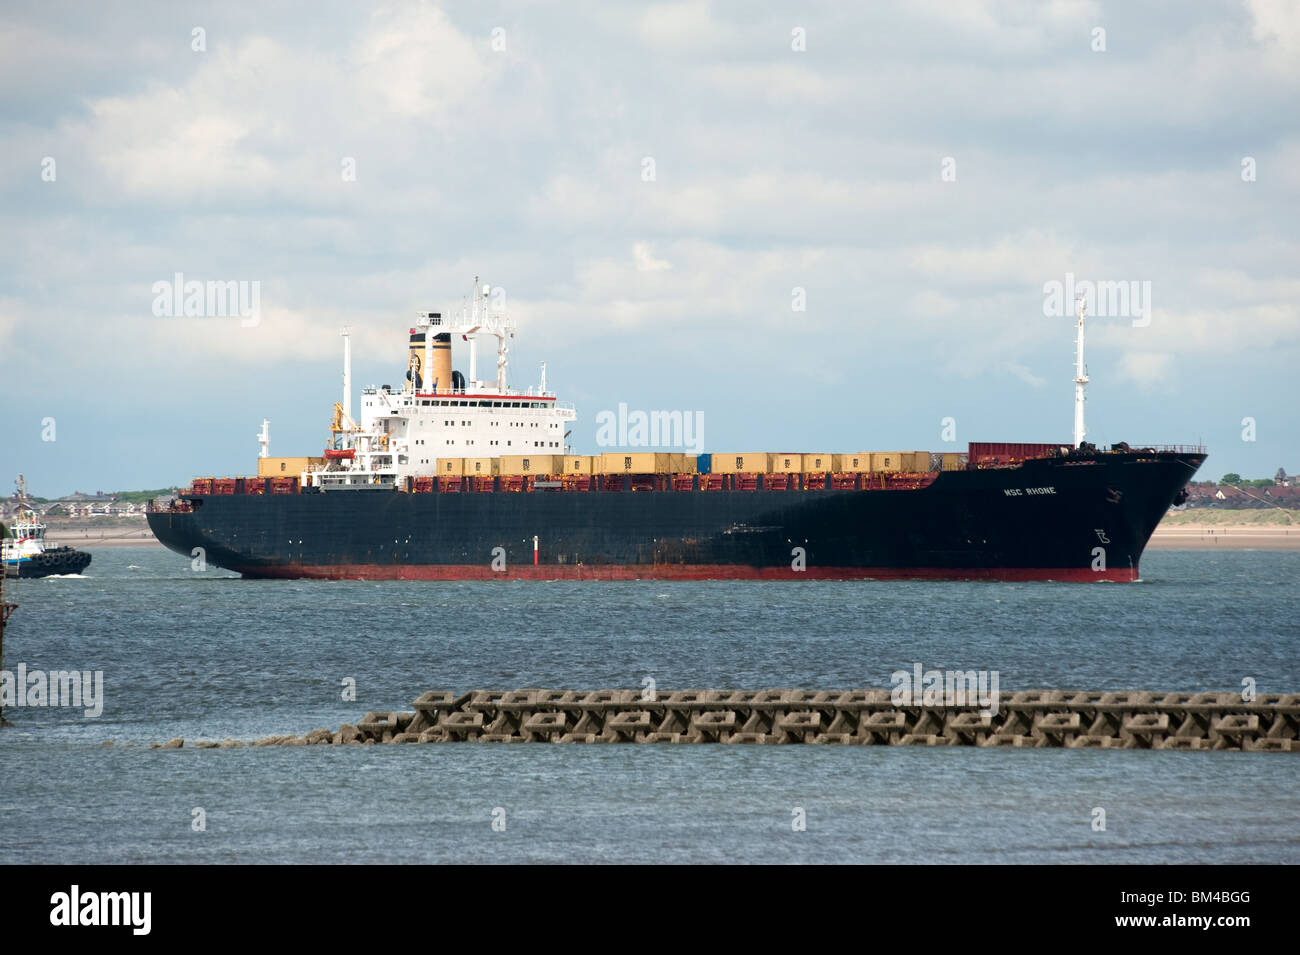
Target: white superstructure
<point x="26" y="534"/>
<point x="437" y="413"/>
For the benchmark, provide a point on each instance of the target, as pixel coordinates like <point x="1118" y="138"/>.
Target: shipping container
<point x="916" y="461"/>
<point x="818" y="463"/>
<point x="451" y="467"/>
<point x="704" y="463"/>
<point x="852" y="463"/>
<point x="634" y="462"/>
<point x="579" y="464"/>
<point x="1003" y="452"/>
<point x="681" y="463"/>
<point x="480" y="467"/>
<point x="286" y="467"/>
<point x="528" y="464"/>
<point x="731" y="463"/>
<point x="953" y="461"/>
<point x="886" y="462"/>
<point x="784" y="463"/>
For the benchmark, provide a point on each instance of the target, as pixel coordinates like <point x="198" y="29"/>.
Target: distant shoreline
<point x="135" y="539"/>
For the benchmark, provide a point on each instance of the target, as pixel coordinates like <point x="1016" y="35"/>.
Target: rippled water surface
<point x="208" y="655"/>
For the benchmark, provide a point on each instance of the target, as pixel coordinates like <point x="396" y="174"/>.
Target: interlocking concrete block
<point x="628" y="725"/>
<point x="546" y="725"/>
<point x="1147" y="724"/>
<point x="1264" y="744"/>
<point x="1130" y="719"/>
<point x="463" y="725"/>
<point x="435" y="700"/>
<point x="885" y="726"/>
<point x="347" y="734"/>
<point x="968" y="726"/>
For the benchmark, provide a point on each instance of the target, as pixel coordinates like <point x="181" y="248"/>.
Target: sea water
<point x="207" y="655"/>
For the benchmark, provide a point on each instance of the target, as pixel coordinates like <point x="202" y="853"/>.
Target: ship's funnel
<point x="440" y="364"/>
<point x="415" y="361"/>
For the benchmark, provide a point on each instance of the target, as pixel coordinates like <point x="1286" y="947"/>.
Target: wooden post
<point x="5" y="609"/>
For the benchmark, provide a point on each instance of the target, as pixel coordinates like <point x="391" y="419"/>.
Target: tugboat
<point x="24" y="553"/>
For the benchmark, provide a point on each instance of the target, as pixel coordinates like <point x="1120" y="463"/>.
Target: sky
<point x="822" y="226"/>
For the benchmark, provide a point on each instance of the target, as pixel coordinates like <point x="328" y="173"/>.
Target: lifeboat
<point x="346" y="454"/>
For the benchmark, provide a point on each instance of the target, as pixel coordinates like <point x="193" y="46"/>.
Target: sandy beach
<point x="143" y="538"/>
<point x="1221" y="537"/>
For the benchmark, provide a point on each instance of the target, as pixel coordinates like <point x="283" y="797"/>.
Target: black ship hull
<point x="1082" y="518"/>
<point x="54" y="560"/>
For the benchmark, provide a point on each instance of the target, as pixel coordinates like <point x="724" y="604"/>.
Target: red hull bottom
<point x="680" y="572"/>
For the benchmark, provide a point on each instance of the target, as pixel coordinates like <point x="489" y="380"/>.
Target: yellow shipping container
<point x="952" y="461"/>
<point x="480" y="467"/>
<point x="731" y="463"/>
<point x="784" y="463"/>
<point x="579" y="464"/>
<point x="916" y="461"/>
<point x="852" y="463"/>
<point x="286" y="467"/>
<point x="634" y="462"/>
<point x="530" y="464"/>
<point x="450" y="467"/>
<point x="886" y="461"/>
<point x="681" y="463"/>
<point x="818" y="463"/>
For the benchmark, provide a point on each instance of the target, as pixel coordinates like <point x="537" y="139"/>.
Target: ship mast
<point x="1080" y="377"/>
<point x="346" y="333"/>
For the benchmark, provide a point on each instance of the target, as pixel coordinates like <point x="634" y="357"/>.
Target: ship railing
<point x="1172" y="448"/>
<point x="477" y="391"/>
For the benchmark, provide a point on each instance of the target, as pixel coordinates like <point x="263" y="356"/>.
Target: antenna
<point x="346" y="332"/>
<point x="1080" y="377"/>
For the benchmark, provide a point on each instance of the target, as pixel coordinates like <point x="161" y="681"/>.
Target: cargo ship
<point x="451" y="477"/>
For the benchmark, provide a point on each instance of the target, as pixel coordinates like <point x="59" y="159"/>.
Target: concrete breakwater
<point x="1029" y="718"/>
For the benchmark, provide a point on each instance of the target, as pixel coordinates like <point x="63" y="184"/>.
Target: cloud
<point x="1150" y="371"/>
<point x="263" y="119"/>
<point x="1276" y="27"/>
<point x="1019" y="371"/>
<point x="776" y="170"/>
<point x="414" y="61"/>
<point x="645" y="260"/>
